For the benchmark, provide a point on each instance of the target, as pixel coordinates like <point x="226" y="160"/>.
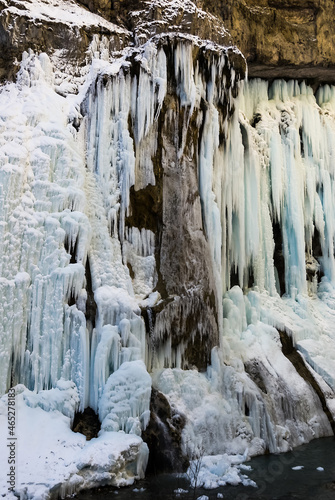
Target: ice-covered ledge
<point x="51" y="460"/>
<point x="62" y="29"/>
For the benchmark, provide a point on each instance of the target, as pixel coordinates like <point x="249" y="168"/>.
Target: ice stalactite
<point x="42" y="180"/>
<point x="127" y="118"/>
<point x="271" y="180"/>
<point x="279" y="159"/>
<point x="263" y="191"/>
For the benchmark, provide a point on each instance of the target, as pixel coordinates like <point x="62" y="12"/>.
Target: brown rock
<point x="20" y="31"/>
<point x="282" y="38"/>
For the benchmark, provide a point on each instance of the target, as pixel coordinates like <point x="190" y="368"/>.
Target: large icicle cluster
<point x="68" y="314"/>
<point x="42" y="206"/>
<point x="127" y="118"/>
<point x="267" y="193"/>
<point x="281" y="170"/>
<point x="74" y="271"/>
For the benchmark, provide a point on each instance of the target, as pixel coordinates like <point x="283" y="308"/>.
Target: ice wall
<point x="42" y="207"/>
<point x="268" y="203"/>
<point x="263" y="210"/>
<point x="168" y="218"/>
<point x="69" y="316"/>
<point x="280" y="157"/>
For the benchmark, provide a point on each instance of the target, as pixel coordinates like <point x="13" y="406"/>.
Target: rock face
<point x="163" y="437"/>
<point x="279" y="38"/>
<point x="146" y="19"/>
<point x="38" y="26"/>
<point x="282" y="38"/>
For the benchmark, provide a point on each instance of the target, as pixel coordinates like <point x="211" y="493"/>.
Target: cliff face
<point x="279" y="38"/>
<point x="283" y="38"/>
<point x="65" y="32"/>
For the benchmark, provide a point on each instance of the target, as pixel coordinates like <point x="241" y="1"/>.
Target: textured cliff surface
<point x="282" y="38"/>
<point x="64" y="30"/>
<point x="279" y="38"/>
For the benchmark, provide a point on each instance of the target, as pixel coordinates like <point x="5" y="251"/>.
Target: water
<point x="273" y="474"/>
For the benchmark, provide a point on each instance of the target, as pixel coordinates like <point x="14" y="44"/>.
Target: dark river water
<point x="273" y="474"/>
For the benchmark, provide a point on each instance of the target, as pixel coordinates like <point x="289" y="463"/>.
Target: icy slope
<point x="51" y="459"/>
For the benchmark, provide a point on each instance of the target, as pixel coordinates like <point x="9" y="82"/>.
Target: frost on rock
<point x="177" y="16"/>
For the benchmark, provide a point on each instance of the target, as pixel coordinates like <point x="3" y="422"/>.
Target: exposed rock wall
<point x="23" y="26"/>
<point x="279" y="38"/>
<point x="282" y="38"/>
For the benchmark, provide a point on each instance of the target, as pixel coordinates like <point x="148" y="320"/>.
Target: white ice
<point x="65" y="245"/>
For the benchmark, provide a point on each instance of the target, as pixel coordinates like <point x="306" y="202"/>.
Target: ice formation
<point x="79" y="276"/>
<point x="219" y="470"/>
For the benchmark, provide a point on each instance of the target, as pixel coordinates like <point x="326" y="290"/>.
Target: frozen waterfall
<point x="167" y="208"/>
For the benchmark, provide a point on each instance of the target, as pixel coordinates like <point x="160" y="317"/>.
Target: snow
<point x="56" y="11"/>
<point x="219" y="470"/>
<point x="51" y="456"/>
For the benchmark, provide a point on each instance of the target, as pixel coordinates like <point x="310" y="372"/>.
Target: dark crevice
<point x="297" y="361"/>
<point x="302" y="148"/>
<point x="87" y="423"/>
<point x="256" y="119"/>
<point x="251" y="277"/>
<point x="316" y="244"/>
<point x="278" y="256"/>
<point x="234" y="277"/>
<point x="131" y="270"/>
<point x="245" y="139"/>
<point x="163" y="437"/>
<point x="91" y="306"/>
<point x="71" y="249"/>
<point x="71" y="300"/>
<point x="246" y="410"/>
<point x="317" y="252"/>
<point x="248" y="278"/>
